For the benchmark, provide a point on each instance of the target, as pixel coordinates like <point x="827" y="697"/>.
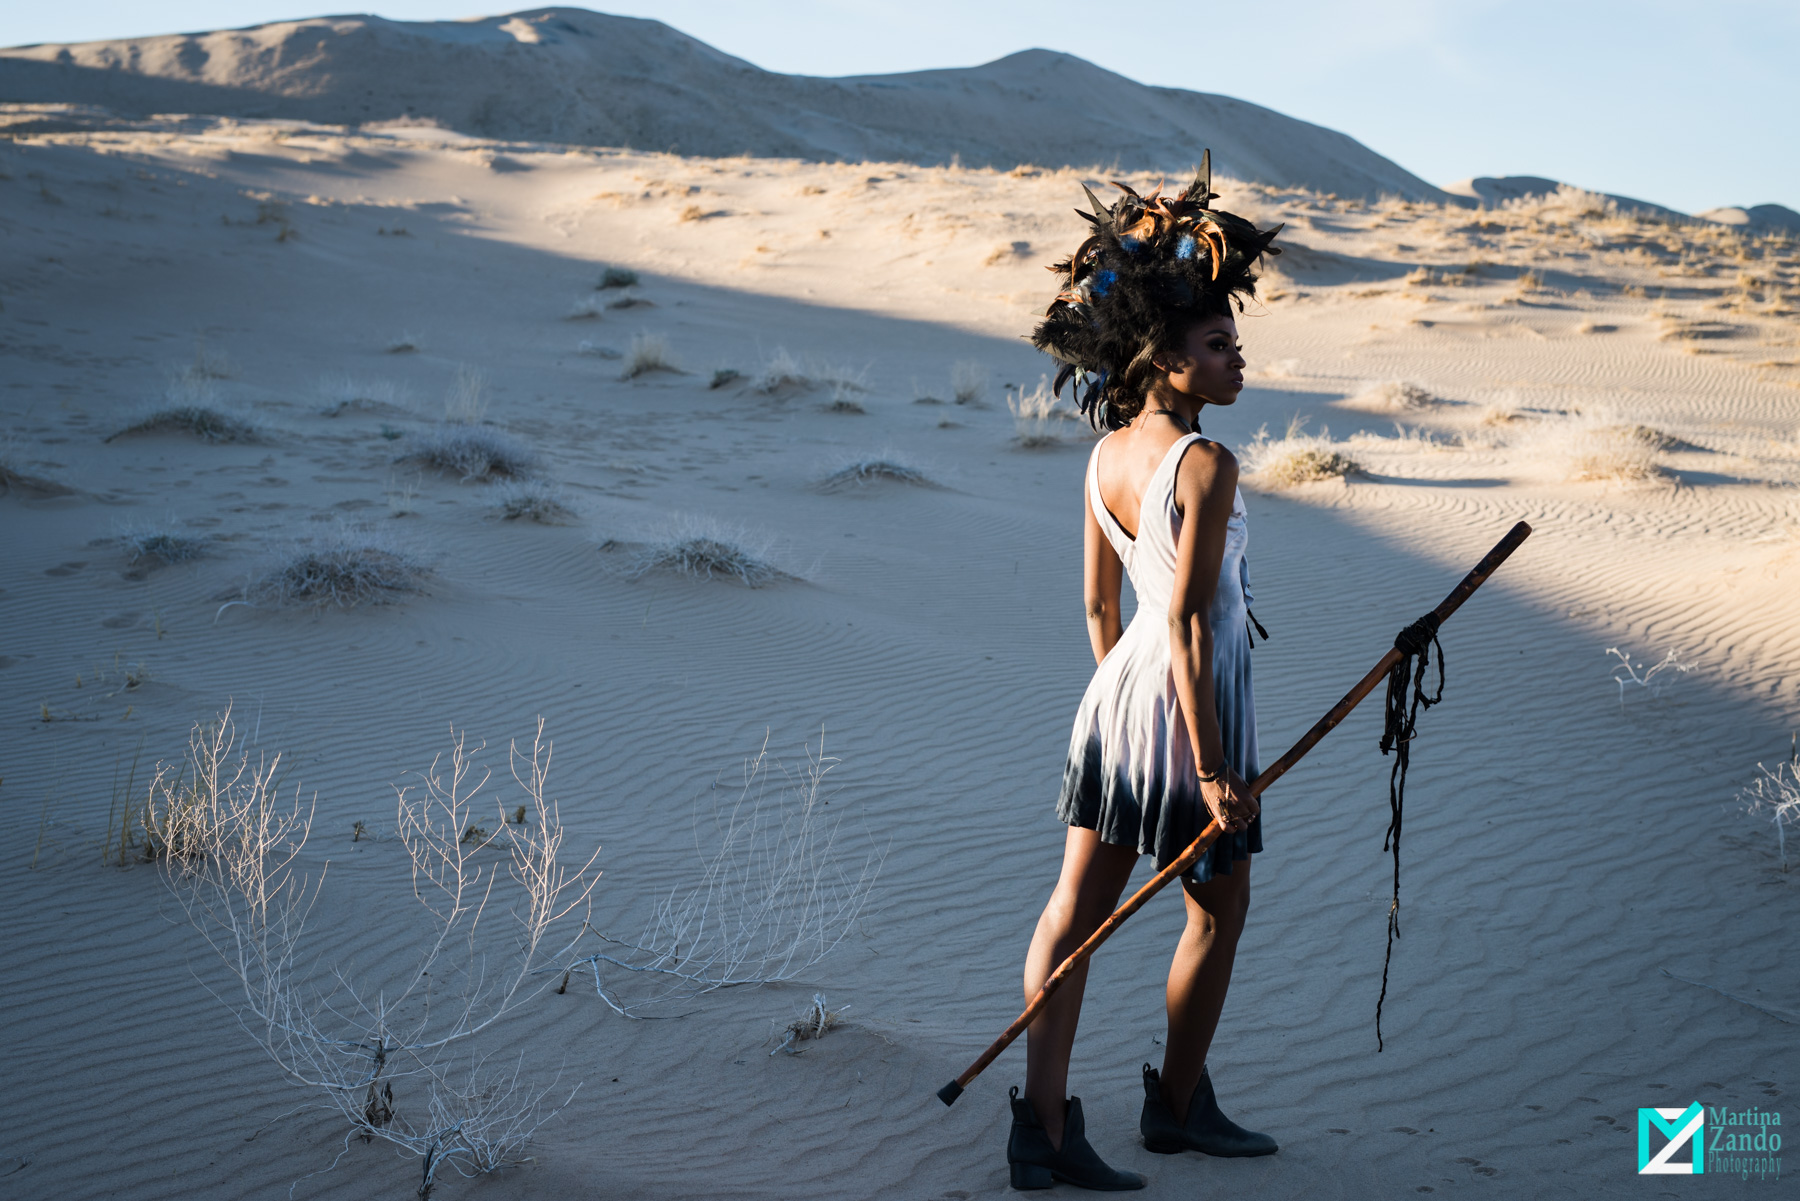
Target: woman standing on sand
<point x="1166" y="734"/>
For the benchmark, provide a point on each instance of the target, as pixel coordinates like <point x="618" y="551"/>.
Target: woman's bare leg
<point x="1093" y="875"/>
<point x="1199" y="978"/>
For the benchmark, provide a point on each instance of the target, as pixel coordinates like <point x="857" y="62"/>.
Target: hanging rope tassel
<point x="1414" y="644"/>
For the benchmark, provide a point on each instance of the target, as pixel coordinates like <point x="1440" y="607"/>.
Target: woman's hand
<point x="1229" y="800"/>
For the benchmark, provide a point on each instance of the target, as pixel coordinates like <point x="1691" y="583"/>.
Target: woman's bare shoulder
<point x="1207" y="462"/>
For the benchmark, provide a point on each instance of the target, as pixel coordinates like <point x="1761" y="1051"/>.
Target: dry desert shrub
<point x="783" y="374"/>
<point x="1392" y="396"/>
<point x="815" y="1021"/>
<point x="968" y="382"/>
<point x="533" y="500"/>
<point x="400" y="1047"/>
<point x="203" y="421"/>
<point x="341" y="394"/>
<point x="342" y="569"/>
<point x="472" y="452"/>
<point x="648" y="352"/>
<point x="466" y="400"/>
<point x="1040" y="418"/>
<point x="17" y="482"/>
<point x="860" y="473"/>
<point x="1774" y="796"/>
<point x="708" y="549"/>
<point x="1296" y="458"/>
<point x="158" y="545"/>
<point x="772" y="897"/>
<point x="1596" y="445"/>
<point x="616" y="277"/>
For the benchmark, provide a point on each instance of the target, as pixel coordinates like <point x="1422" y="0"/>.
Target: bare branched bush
<point x="342" y="569"/>
<point x="775" y="897"/>
<point x="1648" y="679"/>
<point x="1774" y="796"/>
<point x="968" y="383"/>
<point x="533" y="500"/>
<point x="472" y="452"/>
<point x="1296" y="458"/>
<point x="402" y="1054"/>
<point x="709" y="549"/>
<point x="648" y="352"/>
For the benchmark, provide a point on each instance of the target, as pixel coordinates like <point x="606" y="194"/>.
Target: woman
<point x="1165" y="738"/>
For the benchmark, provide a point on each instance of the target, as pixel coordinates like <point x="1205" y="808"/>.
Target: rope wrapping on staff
<point x="1414" y="644"/>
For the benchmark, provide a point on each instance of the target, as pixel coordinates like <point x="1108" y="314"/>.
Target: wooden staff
<point x="1475" y="579"/>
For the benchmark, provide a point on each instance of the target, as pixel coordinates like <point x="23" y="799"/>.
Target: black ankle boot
<point x="1036" y="1164"/>
<point x="1206" y="1130"/>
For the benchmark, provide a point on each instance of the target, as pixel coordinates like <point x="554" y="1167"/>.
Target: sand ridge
<point x="933" y="635"/>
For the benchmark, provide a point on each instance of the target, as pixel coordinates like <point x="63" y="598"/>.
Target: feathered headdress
<point x="1152" y="264"/>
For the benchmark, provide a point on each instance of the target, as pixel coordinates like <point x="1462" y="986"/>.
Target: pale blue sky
<point x="1689" y="104"/>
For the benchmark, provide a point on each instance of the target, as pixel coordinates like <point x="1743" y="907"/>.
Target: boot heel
<point x="1158" y="1147"/>
<point x="1031" y="1176"/>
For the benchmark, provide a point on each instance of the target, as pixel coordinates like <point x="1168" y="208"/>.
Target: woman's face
<point x="1209" y="366"/>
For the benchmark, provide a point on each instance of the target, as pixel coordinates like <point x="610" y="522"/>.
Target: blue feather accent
<point x="1103" y="282"/>
<point x="1131" y="245"/>
<point x="1185" y="248"/>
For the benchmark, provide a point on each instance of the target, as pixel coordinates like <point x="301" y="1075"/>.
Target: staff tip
<point x="950" y="1092"/>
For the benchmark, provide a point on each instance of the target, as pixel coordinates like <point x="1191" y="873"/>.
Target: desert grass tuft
<point x="783" y="374"/>
<point x="968" y="383"/>
<point x="15" y="481"/>
<point x="404" y="343"/>
<point x="648" y="352"/>
<point x="1297" y="458"/>
<point x="158" y="546"/>
<point x="707" y="549"/>
<point x="861" y="473"/>
<point x="533" y="500"/>
<point x="1040" y="418"/>
<point x="1392" y="396"/>
<point x="586" y="308"/>
<point x="343" y="569"/>
<point x="203" y="421"/>
<point x="341" y="394"/>
<point x="472" y="452"/>
<point x="724" y="376"/>
<point x="466" y="399"/>
<point x="616" y="277"/>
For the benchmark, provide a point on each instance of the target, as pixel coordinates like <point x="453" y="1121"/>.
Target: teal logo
<point x="1682" y="1131"/>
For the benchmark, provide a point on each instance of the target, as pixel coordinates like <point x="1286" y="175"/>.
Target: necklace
<point x="1178" y="419"/>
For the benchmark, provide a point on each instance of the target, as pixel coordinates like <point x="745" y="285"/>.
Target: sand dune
<point x="1590" y="923"/>
<point x="569" y="75"/>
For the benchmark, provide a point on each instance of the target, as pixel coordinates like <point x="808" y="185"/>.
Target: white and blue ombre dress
<point x="1130" y="776"/>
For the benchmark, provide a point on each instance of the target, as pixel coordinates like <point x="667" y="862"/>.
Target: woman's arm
<point x="1101" y="577"/>
<point x="1205" y="485"/>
